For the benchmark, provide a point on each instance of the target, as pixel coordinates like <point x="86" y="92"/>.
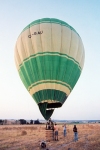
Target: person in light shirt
<point x="56" y="132"/>
<point x="64" y="130"/>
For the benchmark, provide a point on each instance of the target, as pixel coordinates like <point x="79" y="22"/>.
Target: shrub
<point x="23" y="132"/>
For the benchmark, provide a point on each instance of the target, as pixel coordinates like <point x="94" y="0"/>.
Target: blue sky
<point x="84" y="16"/>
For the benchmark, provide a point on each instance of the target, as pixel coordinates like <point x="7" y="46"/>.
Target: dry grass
<point x="28" y="137"/>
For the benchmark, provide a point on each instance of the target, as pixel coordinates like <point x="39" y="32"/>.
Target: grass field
<point x="28" y="137"/>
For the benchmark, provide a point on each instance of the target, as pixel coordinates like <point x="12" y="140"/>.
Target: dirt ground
<point x="28" y="137"/>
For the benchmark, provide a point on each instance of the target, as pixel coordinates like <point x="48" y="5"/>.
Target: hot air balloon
<point x="49" y="56"/>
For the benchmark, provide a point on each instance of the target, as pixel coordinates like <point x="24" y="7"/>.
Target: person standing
<point x="56" y="132"/>
<point x="75" y="133"/>
<point x="64" y="130"/>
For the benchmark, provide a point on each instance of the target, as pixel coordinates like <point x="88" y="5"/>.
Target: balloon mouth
<point x="54" y="105"/>
<point x="51" y="104"/>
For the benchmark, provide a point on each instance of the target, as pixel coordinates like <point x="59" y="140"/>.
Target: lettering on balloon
<point x="35" y="33"/>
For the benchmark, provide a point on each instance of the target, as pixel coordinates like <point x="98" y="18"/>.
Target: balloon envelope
<point x="49" y="56"/>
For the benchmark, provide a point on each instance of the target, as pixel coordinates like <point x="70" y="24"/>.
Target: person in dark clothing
<point x="75" y="133"/>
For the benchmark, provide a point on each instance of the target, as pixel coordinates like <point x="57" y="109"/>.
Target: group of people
<point x="65" y="132"/>
<point x="50" y="125"/>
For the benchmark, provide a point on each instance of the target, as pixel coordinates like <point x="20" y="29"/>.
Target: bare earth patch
<point x="28" y="137"/>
